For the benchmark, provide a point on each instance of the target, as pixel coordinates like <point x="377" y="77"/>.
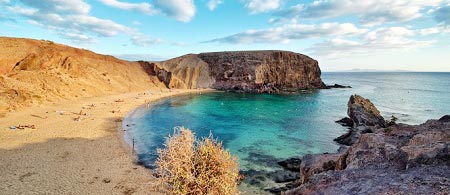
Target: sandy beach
<point x="76" y="147"/>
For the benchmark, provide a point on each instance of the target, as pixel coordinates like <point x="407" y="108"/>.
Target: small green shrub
<point x="188" y="166"/>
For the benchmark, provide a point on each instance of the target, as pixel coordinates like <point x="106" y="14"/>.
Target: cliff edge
<point x="245" y="71"/>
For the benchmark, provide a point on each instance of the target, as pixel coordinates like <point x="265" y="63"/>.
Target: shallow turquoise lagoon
<point x="263" y="128"/>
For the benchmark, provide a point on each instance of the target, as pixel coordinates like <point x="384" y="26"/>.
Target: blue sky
<point x="340" y="34"/>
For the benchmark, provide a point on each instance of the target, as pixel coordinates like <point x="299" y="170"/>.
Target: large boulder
<point x="317" y="163"/>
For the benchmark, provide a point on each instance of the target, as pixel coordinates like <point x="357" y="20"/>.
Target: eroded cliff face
<point x="188" y="72"/>
<point x="246" y="71"/>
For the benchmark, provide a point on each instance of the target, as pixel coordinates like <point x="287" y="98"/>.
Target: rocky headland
<point x="381" y="158"/>
<point x="243" y="71"/>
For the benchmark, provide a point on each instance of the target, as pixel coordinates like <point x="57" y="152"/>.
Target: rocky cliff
<point x="247" y="71"/>
<point x="389" y="159"/>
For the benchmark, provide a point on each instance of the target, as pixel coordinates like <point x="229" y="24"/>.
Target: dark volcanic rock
<point x="317" y="163"/>
<point x="153" y="69"/>
<point x="285" y="176"/>
<point x="292" y="164"/>
<point x="399" y="159"/>
<point x="337" y="86"/>
<point x="246" y="71"/>
<point x="364" y="117"/>
<point x="445" y="118"/>
<point x="346" y="122"/>
<point x="364" y="113"/>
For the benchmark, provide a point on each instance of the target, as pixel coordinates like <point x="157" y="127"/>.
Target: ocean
<point x="262" y="129"/>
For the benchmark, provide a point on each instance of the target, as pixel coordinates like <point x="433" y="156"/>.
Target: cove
<point x="259" y="128"/>
<point x="262" y="129"/>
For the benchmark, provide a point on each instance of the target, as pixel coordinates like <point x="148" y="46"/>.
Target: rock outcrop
<point x="246" y="71"/>
<point x="364" y="117"/>
<point x="398" y="159"/>
<point x="364" y="113"/>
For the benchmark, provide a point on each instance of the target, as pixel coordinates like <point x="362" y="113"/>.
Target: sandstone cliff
<point x="247" y="71"/>
<point x="35" y="72"/>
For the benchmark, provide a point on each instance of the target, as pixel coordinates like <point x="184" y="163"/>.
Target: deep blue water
<point x="264" y="128"/>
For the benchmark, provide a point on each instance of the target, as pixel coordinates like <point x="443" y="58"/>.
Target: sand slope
<point x="36" y="72"/>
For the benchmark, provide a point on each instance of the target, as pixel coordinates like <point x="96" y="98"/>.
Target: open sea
<point x="264" y="128"/>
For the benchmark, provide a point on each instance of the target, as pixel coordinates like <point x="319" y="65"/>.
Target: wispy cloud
<point x="212" y="4"/>
<point x="381" y="39"/>
<point x="145" y="8"/>
<point x="259" y="6"/>
<point x="71" y="20"/>
<point x="286" y="33"/>
<point x="181" y="10"/>
<point x="369" y="12"/>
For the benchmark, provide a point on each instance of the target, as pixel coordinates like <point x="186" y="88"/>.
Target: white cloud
<point x="381" y="39"/>
<point x="369" y="12"/>
<point x="142" y="40"/>
<point x="286" y="33"/>
<point x="259" y="6"/>
<point x="181" y="10"/>
<point x="180" y="44"/>
<point x="145" y="8"/>
<point x="59" y="6"/>
<point x="212" y="4"/>
<point x="71" y="20"/>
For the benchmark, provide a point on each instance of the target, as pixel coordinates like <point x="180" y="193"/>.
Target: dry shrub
<point x="188" y="166"/>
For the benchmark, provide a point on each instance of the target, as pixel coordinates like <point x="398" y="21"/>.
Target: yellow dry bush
<point x="187" y="166"/>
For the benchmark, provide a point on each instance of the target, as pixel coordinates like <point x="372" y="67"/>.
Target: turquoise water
<point x="262" y="129"/>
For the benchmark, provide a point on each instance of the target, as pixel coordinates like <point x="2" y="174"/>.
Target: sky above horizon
<point x="409" y="35"/>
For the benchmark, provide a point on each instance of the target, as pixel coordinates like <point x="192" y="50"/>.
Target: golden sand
<point x="73" y="153"/>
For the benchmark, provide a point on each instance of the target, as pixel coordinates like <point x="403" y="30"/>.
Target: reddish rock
<point x="246" y="71"/>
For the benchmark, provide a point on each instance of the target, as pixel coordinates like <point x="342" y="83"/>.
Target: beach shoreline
<point x="127" y="118"/>
<point x="76" y="147"/>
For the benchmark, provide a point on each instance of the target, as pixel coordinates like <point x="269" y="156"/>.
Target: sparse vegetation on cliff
<point x="188" y="166"/>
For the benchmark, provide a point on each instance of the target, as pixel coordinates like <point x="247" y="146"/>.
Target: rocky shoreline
<point x="377" y="156"/>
